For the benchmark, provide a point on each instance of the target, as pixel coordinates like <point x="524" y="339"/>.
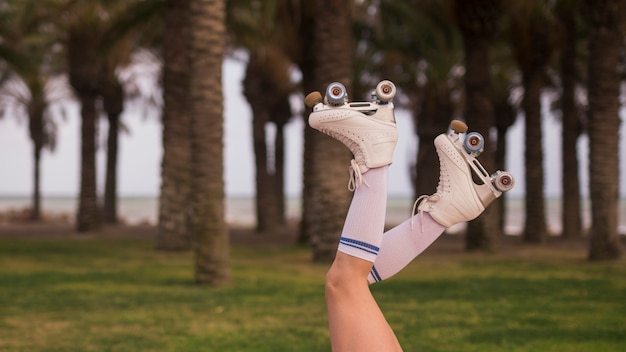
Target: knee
<point x="335" y="284"/>
<point x="346" y="275"/>
<point x="335" y="278"/>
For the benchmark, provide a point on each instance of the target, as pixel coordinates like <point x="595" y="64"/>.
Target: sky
<point x="141" y="151"/>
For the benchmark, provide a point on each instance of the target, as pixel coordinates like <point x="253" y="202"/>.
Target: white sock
<point x="402" y="244"/>
<point x="365" y="223"/>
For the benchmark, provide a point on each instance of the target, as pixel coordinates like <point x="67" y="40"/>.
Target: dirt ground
<point x="15" y="224"/>
<point x="247" y="236"/>
<point x="239" y="235"/>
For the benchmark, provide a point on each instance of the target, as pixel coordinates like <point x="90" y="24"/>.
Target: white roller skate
<point x="367" y="128"/>
<point x="465" y="187"/>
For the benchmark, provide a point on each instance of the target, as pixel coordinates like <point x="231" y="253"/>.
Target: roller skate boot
<point x="367" y="128"/>
<point x="465" y="188"/>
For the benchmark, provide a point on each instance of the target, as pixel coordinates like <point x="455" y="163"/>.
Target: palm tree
<point x="267" y="86"/>
<point x="267" y="31"/>
<point x="125" y="24"/>
<point x="112" y="93"/>
<point x="506" y="114"/>
<point x="113" y="97"/>
<point x="568" y="12"/>
<point x="326" y="197"/>
<point x="28" y="99"/>
<point x="606" y="38"/>
<point x="207" y="30"/>
<point x="25" y="47"/>
<point x="478" y="21"/>
<point x="96" y="44"/>
<point x="304" y="55"/>
<point x="533" y="37"/>
<point x="84" y="30"/>
<point x="174" y="215"/>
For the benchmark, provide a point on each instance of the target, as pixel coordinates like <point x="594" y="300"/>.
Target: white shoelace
<point x="443" y="181"/>
<point x="356" y="178"/>
<point x="421" y="213"/>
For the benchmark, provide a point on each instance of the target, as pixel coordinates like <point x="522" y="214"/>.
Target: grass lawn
<point x="121" y="295"/>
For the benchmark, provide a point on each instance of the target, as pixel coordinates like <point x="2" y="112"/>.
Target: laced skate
<point x="460" y="196"/>
<point x="368" y="129"/>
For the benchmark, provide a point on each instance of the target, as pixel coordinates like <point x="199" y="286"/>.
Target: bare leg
<point x="356" y="322"/>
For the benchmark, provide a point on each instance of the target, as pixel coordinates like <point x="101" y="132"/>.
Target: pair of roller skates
<point x="369" y="130"/>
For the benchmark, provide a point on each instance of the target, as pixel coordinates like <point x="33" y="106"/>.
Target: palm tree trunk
<point x="87" y="216"/>
<point x="110" y="183"/>
<point x="36" y="127"/>
<point x="571" y="214"/>
<point x="481" y="233"/>
<point x="266" y="206"/>
<point x="327" y="197"/>
<point x="605" y="43"/>
<point x="255" y="90"/>
<point x="113" y="102"/>
<point x="306" y="62"/>
<point x="505" y="118"/>
<point x="279" y="151"/>
<point x="281" y="114"/>
<point x="84" y="70"/>
<point x="304" y="236"/>
<point x="533" y="38"/>
<point x="535" y="227"/>
<point x="37" y="133"/>
<point x="36" y="200"/>
<point x="500" y="161"/>
<point x="433" y="119"/>
<point x="210" y="233"/>
<point x="478" y="21"/>
<point x="174" y="208"/>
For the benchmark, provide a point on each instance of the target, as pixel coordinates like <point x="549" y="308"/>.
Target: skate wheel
<point x="313" y="99"/>
<point x="503" y="181"/>
<point x="458" y="126"/>
<point x="474" y="143"/>
<point x="336" y="93"/>
<point x="385" y="90"/>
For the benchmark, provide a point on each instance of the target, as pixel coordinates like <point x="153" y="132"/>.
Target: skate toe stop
<point x="458" y="126"/>
<point x="313" y="98"/>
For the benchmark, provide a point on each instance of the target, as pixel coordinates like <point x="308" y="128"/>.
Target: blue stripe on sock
<point x="376" y="275"/>
<point x="366" y="247"/>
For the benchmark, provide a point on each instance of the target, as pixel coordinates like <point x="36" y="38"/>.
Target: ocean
<point x="240" y="211"/>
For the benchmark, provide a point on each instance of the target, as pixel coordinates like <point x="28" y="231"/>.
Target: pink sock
<point x="402" y="244"/>
<point x="365" y="223"/>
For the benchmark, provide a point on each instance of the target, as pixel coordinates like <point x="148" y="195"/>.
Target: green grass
<point x="121" y="295"/>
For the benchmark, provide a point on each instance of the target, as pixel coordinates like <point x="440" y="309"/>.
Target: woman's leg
<point x="355" y="320"/>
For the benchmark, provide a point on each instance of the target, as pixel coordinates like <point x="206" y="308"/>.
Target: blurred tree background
<point x="486" y="62"/>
